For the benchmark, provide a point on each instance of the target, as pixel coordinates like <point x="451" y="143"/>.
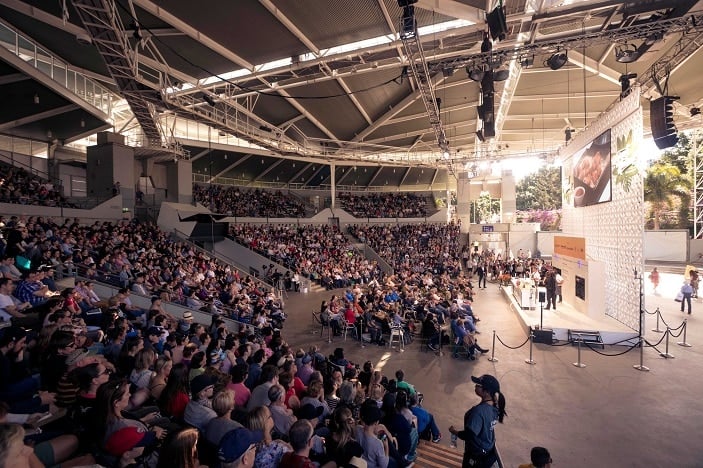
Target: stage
<point x="566" y="318"/>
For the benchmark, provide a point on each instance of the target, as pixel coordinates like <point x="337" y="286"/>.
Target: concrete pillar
<point x="333" y="186"/>
<point x="109" y="162"/>
<point x="463" y="200"/>
<point x="179" y="181"/>
<point x="508" y="197"/>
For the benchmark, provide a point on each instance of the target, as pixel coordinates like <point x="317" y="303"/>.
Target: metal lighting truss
<point x="418" y="66"/>
<point x="108" y="34"/>
<point x="698" y="184"/>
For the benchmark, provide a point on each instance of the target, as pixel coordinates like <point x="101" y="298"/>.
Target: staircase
<point x="431" y="455"/>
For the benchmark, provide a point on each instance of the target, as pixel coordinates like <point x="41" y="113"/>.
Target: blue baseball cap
<point x="236" y="442"/>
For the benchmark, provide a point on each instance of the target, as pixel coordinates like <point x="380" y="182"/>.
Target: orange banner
<point x="574" y="247"/>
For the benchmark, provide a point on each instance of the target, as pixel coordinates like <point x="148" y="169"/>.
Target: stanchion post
<point x="685" y="327"/>
<point x="578" y="362"/>
<point x="641" y="366"/>
<point x="657" y="330"/>
<point x="666" y="354"/>
<point x="531" y="361"/>
<point x="493" y="357"/>
<point x="361" y="332"/>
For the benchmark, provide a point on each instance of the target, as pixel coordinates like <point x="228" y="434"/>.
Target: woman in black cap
<point x="479" y="423"/>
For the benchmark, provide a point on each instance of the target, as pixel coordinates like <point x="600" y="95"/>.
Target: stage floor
<point x="566" y="318"/>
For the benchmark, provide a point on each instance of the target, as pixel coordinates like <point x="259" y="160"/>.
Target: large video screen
<point x="592" y="172"/>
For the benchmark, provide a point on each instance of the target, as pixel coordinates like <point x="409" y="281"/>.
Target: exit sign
<point x="486" y="228"/>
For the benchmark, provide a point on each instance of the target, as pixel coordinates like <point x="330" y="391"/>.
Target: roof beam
<point x="290" y="26"/>
<point x="269" y="169"/>
<point x="453" y="9"/>
<point x="38" y="116"/>
<point x="402" y="179"/>
<point x="593" y="66"/>
<point x="13" y="78"/>
<point x="299" y="173"/>
<point x="398" y="136"/>
<point x="354" y="100"/>
<point x="164" y="15"/>
<point x="375" y="174"/>
<point x="199" y="155"/>
<point x="395" y="110"/>
<point x="230" y="167"/>
<point x="420" y="115"/>
<point x="294" y="102"/>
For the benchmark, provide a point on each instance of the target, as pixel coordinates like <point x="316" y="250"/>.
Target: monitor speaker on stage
<point x="542" y="295"/>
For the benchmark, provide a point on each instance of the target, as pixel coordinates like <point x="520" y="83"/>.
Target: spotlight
<point x="527" y="62"/>
<point x="486" y="45"/>
<point x="207" y="98"/>
<point x="36" y="99"/>
<point x="556" y="61"/>
<point x="625" y="84"/>
<point x="447" y="72"/>
<point x="479" y="135"/>
<point x="695" y="111"/>
<point x="501" y="75"/>
<point x="476" y="74"/>
<point x="567" y="134"/>
<point x="438" y="101"/>
<point x="626" y="53"/>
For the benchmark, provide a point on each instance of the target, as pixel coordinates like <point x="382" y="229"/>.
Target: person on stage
<point x="479" y="424"/>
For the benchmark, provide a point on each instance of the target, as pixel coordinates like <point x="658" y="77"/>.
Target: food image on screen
<point x="592" y="172"/>
<point x="590" y="168"/>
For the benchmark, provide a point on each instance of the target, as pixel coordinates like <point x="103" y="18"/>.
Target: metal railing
<point x="61" y="72"/>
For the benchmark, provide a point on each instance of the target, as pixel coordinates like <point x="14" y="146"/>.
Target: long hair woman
<point x="269" y="452"/>
<point x="176" y="395"/>
<point x="479" y="422"/>
<point x="180" y="450"/>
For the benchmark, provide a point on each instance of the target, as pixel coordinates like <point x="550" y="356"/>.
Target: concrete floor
<point x="606" y="414"/>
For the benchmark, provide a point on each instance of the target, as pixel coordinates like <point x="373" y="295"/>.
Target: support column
<point x="333" y="186"/>
<point x="508" y="197"/>
<point x="109" y="162"/>
<point x="463" y="201"/>
<point x="179" y="181"/>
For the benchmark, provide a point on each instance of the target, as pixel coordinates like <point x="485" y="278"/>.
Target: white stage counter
<point x="525" y="292"/>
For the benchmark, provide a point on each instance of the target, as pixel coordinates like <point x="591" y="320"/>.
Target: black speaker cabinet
<point x="544" y="335"/>
<point x="542" y="296"/>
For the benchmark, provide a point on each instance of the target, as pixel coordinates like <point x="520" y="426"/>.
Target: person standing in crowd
<point x="479" y="424"/>
<point x="654" y="278"/>
<point x="560" y="281"/>
<point x="540" y="458"/>
<point x="550" y="283"/>
<point x="687" y="291"/>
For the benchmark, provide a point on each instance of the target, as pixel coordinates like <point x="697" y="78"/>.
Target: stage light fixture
<point x="447" y="72"/>
<point x="557" y="60"/>
<point x="207" y="98"/>
<point x="695" y="111"/>
<point x="475" y="73"/>
<point x="479" y="135"/>
<point x="527" y="62"/>
<point x="501" y="75"/>
<point x="625" y="84"/>
<point x="626" y="54"/>
<point x="567" y="134"/>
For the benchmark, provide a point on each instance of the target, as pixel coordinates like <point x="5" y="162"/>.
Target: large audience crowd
<point x="384" y="205"/>
<point x="321" y="253"/>
<point x="257" y="203"/>
<point x="19" y="186"/>
<point x="133" y="387"/>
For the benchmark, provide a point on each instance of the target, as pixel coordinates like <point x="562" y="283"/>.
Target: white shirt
<point x="5" y="301"/>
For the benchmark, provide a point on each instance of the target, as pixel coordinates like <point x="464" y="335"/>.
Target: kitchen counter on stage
<point x="525" y="292"/>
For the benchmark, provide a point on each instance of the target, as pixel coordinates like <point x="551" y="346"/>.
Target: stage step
<point x="431" y="455"/>
<point x="592" y="337"/>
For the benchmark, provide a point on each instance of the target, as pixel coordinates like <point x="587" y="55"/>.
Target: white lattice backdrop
<point x="614" y="231"/>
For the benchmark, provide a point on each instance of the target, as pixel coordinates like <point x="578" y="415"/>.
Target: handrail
<point x="39" y="57"/>
<point x="10" y="161"/>
<point x="184" y="238"/>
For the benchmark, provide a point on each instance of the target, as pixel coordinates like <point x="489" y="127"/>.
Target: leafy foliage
<point x="667" y="188"/>
<point x="549" y="220"/>
<point x="540" y="190"/>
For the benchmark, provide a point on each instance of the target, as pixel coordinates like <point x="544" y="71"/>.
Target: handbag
<point x="679" y="297"/>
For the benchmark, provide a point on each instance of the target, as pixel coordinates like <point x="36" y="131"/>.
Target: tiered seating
<point x="384" y="205"/>
<point x="256" y="203"/>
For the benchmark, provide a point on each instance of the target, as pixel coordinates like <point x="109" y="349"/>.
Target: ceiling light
<point x="567" y="134"/>
<point x="695" y="111"/>
<point x="445" y="155"/>
<point x="626" y="53"/>
<point x="556" y="61"/>
<point x="36" y="99"/>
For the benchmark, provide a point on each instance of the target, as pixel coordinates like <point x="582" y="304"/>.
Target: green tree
<point x="540" y="190"/>
<point x="665" y="188"/>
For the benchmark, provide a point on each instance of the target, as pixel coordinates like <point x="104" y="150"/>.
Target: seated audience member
<point x="342" y="445"/>
<point x="223" y="405"/>
<point x="540" y="458"/>
<point x="269" y="452"/>
<point x="176" y="395"/>
<point x="241" y="391"/>
<point x="426" y="425"/>
<point x="301" y="438"/>
<point x="199" y="412"/>
<point x="373" y="437"/>
<point x="283" y="417"/>
<point x="238" y="448"/>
